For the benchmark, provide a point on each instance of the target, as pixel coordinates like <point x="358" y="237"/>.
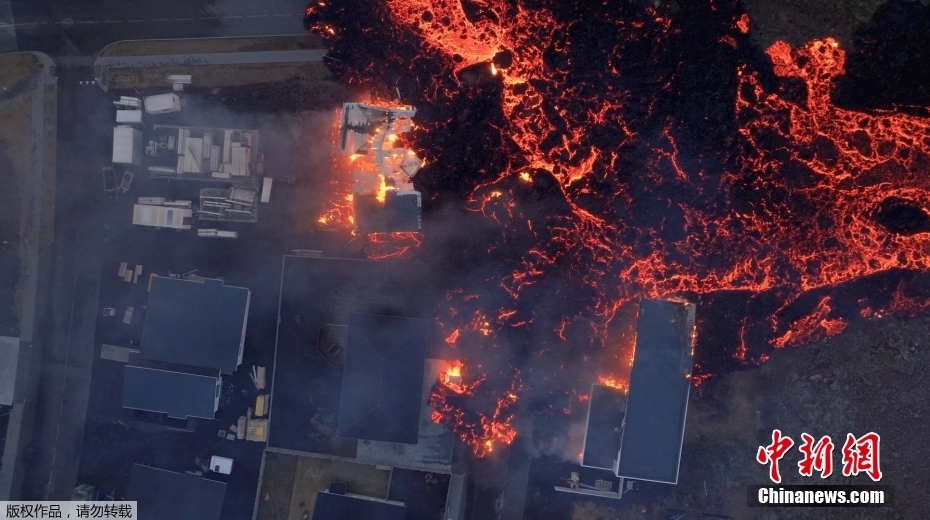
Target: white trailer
<point x="162" y="216"/>
<point x="127" y="145"/>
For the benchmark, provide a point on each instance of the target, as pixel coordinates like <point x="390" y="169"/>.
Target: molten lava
<point x="479" y="429"/>
<point x="598" y="170"/>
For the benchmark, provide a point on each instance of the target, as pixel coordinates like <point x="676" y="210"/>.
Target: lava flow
<point x="605" y="153"/>
<point x="453" y="401"/>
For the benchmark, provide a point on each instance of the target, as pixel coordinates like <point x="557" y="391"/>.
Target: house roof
<point x="383" y="378"/>
<point x="195" y="323"/>
<point x="178" y="394"/>
<point x="660" y="382"/>
<point x="602" y="433"/>
<point x="331" y="506"/>
<point x="165" y="494"/>
<point x="400" y="212"/>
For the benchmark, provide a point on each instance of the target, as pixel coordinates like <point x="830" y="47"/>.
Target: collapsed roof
<point x="367" y="136"/>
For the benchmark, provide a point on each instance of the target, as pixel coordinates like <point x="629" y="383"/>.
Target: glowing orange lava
<point x="794" y="215"/>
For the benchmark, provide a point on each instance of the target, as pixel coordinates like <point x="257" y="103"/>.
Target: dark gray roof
<point x="330" y="506"/>
<point x="398" y="213"/>
<point x="382" y="380"/>
<point x="602" y="434"/>
<point x="658" y="397"/>
<point x="163" y="494"/>
<point x="195" y="323"/>
<point x="178" y="394"/>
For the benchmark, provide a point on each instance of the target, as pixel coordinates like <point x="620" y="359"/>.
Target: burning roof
<point x="384" y="199"/>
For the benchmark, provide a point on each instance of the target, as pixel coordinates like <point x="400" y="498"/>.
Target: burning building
<point x="384" y="198"/>
<point x="637" y="433"/>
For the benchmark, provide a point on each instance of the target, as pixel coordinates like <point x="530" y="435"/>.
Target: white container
<point x="266" y="189"/>
<point x="129" y="116"/>
<point x="127" y="145"/>
<point x="221" y="465"/>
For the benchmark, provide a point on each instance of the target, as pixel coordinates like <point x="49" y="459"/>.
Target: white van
<point x="162" y="104"/>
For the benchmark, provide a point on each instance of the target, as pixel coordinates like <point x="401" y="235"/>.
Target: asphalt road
<point x="82" y="28"/>
<point x="79" y="29"/>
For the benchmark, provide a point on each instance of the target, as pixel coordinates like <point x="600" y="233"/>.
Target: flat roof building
<point x="398" y="212"/>
<point x="167" y="495"/>
<point x="195" y="323"/>
<point x="178" y="394"/>
<point x="602" y="434"/>
<point x="660" y="382"/>
<point x="383" y="378"/>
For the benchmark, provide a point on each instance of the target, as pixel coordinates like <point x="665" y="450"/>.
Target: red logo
<point x="773" y="453"/>
<point x="862" y="455"/>
<point x="816" y="457"/>
<point x="859" y="455"/>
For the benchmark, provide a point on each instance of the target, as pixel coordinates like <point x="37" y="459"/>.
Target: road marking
<point x="160" y="20"/>
<point x="257" y="15"/>
<point x="134" y="21"/>
<point x="113" y="21"/>
<point x="183" y="19"/>
<point x="283" y="15"/>
<point x="234" y="16"/>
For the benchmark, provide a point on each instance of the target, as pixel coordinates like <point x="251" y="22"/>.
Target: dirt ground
<point x="207" y="76"/>
<point x="799" y="21"/>
<point x="197" y="45"/>
<point x="871" y="379"/>
<point x="14" y="68"/>
<point x="15" y="152"/>
<point x="290" y="483"/>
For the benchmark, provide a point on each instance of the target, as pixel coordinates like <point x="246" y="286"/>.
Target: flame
<point x="613" y="382"/>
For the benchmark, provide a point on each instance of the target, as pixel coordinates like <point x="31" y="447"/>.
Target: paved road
<point x="72" y="31"/>
<point x="81" y="28"/>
